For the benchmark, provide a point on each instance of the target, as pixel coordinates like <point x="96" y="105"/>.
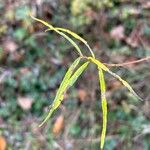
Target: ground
<point x="33" y="62"/>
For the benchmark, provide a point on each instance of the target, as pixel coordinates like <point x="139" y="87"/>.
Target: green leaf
<point x="71" y="33"/>
<point x="60" y="33"/>
<point x="125" y="83"/>
<point x="76" y="36"/>
<point x="77" y="74"/>
<point x="103" y="67"/>
<point x="104" y="106"/>
<point x="98" y="63"/>
<point x="61" y="90"/>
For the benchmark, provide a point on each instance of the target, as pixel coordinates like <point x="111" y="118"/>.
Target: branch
<point x="129" y="63"/>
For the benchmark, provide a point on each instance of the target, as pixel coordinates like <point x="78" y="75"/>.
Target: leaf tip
<point x="40" y="125"/>
<point x="102" y="145"/>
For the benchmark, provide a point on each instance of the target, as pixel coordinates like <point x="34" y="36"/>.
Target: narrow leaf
<point x="61" y="90"/>
<point x="75" y="36"/>
<point x="66" y="83"/>
<point x="60" y="33"/>
<point x="71" y="33"/>
<point x="125" y="83"/>
<point x="98" y="63"/>
<point x="103" y="67"/>
<point x="78" y="72"/>
<point x="70" y="71"/>
<point x="104" y="106"/>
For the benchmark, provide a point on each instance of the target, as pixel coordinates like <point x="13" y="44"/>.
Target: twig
<point x="129" y="63"/>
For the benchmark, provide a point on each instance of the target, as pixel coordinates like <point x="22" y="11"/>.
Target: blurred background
<point x="33" y="63"/>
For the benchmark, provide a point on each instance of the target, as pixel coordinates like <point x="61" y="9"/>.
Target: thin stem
<point x="90" y="50"/>
<point x="128" y="63"/>
<point x="75" y="36"/>
<point x="59" y="32"/>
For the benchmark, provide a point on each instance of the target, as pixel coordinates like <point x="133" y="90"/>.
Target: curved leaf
<point x="78" y="72"/>
<point x="104" y="106"/>
<point x="75" y="36"/>
<point x="103" y="67"/>
<point x="126" y="84"/>
<point x="67" y="82"/>
<point x="71" y="33"/>
<point x="62" y="89"/>
<point x="59" y="32"/>
<point x="98" y="63"/>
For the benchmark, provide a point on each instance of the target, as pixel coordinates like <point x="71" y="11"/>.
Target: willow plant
<point x="75" y="70"/>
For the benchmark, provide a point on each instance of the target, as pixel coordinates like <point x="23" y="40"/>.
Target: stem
<point x="129" y="63"/>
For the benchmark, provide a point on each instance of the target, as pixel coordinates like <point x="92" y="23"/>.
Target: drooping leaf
<point x="61" y="90"/>
<point x="104" y="106"/>
<point x="65" y="82"/>
<point x="75" y="36"/>
<point x="69" y="72"/>
<point x="103" y="67"/>
<point x="3" y="143"/>
<point x="125" y="83"/>
<point x="60" y="33"/>
<point x="71" y="33"/>
<point x="25" y="102"/>
<point x="78" y="72"/>
<point x="58" y="125"/>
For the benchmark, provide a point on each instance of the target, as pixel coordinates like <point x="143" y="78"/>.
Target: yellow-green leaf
<point x="69" y="72"/>
<point x="61" y="90"/>
<point x="71" y="33"/>
<point x="60" y="33"/>
<point x="78" y="72"/>
<point x="125" y="83"/>
<point x="98" y="63"/>
<point x="104" y="106"/>
<point x="77" y="37"/>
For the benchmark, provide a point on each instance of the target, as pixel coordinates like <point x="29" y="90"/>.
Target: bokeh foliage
<point x="34" y="63"/>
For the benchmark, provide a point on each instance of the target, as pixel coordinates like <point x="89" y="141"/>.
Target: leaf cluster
<point x="75" y="71"/>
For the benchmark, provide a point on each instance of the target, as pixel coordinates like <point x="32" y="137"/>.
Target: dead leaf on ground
<point x="113" y="85"/>
<point x="117" y="33"/>
<point x="3" y="143"/>
<point x="25" y="102"/>
<point x="10" y="46"/>
<point x="58" y="125"/>
<point x="82" y="94"/>
<point x="146" y="5"/>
